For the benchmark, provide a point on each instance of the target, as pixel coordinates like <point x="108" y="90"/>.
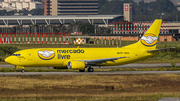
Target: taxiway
<point x="87" y="73"/>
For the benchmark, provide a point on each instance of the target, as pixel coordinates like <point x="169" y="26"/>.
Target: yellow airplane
<point x="82" y="58"/>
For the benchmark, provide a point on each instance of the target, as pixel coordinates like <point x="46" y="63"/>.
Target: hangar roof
<point x="61" y="19"/>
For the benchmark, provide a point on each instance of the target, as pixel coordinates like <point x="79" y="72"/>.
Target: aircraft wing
<point x="160" y="49"/>
<point x="94" y="62"/>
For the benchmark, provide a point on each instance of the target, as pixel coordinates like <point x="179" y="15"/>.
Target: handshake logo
<point x="149" y="40"/>
<point x="46" y="54"/>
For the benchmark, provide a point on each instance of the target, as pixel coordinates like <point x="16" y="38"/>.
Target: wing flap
<point x="160" y="49"/>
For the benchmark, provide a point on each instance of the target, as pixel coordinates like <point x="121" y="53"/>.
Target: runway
<point x="87" y="73"/>
<point x="155" y="65"/>
<point x="133" y="65"/>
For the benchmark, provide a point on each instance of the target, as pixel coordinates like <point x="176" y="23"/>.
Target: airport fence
<point x="135" y="27"/>
<point x="34" y="38"/>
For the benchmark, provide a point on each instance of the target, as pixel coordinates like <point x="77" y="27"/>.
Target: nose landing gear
<point x="22" y="68"/>
<point x="22" y="71"/>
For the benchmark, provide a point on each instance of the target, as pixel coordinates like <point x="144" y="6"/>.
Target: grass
<point x="89" y="87"/>
<point x="12" y="69"/>
<point x="168" y="44"/>
<point x="93" y="87"/>
<point x="124" y="43"/>
<point x="163" y="57"/>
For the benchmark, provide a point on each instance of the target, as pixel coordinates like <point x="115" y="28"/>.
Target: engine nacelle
<point x="76" y="65"/>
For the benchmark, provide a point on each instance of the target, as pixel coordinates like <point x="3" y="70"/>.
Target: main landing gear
<point x="81" y="70"/>
<point x="90" y="69"/>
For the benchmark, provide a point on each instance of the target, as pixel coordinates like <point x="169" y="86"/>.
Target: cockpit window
<point x="16" y="54"/>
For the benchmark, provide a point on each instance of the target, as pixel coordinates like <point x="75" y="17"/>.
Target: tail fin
<point x="150" y="38"/>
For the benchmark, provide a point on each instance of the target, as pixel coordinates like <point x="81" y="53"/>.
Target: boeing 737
<point x="82" y="58"/>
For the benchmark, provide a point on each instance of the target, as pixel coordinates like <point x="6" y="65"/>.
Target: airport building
<point x="21" y="4"/>
<point x="178" y="6"/>
<point x="101" y="20"/>
<point x="128" y="12"/>
<point x="70" y="7"/>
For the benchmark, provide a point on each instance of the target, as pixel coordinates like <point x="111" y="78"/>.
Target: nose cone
<point x="8" y="59"/>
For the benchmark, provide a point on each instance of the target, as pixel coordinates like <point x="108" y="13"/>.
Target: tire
<point x="81" y="70"/>
<point x="90" y="69"/>
<point x="22" y="71"/>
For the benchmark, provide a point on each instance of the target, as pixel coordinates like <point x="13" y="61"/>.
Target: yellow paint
<point x="59" y="57"/>
<point x="21" y="67"/>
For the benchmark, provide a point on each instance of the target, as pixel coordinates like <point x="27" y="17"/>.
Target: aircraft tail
<point x="150" y="38"/>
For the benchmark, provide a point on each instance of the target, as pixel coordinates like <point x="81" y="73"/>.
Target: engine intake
<point x="76" y="65"/>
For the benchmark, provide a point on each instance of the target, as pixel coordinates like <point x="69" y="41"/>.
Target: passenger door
<point x="30" y="60"/>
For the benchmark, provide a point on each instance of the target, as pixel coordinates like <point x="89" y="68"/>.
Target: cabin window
<point x="16" y="54"/>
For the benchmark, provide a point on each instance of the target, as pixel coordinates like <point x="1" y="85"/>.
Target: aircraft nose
<point x="8" y="59"/>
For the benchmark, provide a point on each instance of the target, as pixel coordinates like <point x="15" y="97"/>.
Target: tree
<point x="173" y="17"/>
<point x="25" y="11"/>
<point x="101" y="3"/>
<point x="113" y="7"/>
<point x="164" y="6"/>
<point x="86" y="28"/>
<point x="142" y="11"/>
<point x="20" y="11"/>
<point x="37" y="11"/>
<point x="10" y="13"/>
<point x="3" y="12"/>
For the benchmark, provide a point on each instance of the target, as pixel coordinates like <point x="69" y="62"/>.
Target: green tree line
<point x="23" y="12"/>
<point x="142" y="11"/>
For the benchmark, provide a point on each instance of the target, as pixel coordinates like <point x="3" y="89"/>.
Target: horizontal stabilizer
<point x="160" y="49"/>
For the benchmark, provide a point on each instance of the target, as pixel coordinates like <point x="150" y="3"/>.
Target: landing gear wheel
<point x="90" y="69"/>
<point x="22" y="71"/>
<point x="81" y="70"/>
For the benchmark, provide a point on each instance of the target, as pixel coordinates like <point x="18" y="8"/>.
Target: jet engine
<point x="76" y="65"/>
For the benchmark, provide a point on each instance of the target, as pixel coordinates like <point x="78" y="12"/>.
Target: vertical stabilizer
<point x="150" y="38"/>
